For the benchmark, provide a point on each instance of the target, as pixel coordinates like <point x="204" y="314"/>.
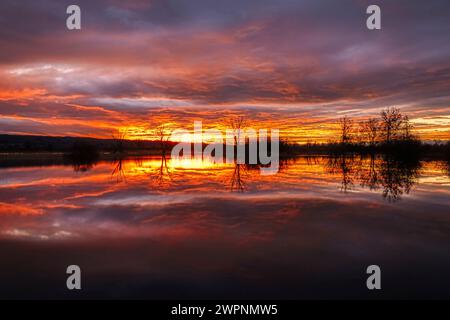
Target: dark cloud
<point x="202" y="52"/>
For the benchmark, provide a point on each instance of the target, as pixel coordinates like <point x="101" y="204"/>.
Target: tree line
<point x="391" y="127"/>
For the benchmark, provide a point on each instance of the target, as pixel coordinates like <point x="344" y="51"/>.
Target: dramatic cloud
<point x="297" y="65"/>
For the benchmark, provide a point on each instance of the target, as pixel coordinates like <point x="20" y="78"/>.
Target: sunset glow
<point x="134" y="66"/>
<point x="217" y="159"/>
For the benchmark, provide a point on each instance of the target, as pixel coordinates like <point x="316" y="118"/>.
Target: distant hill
<point x="24" y="143"/>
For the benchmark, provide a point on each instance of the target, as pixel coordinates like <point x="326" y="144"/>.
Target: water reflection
<point x="118" y="171"/>
<point x="83" y="167"/>
<point x="192" y="228"/>
<point x="345" y="167"/>
<point x="388" y="176"/>
<point x="392" y="176"/>
<point x="237" y="181"/>
<point x="162" y="175"/>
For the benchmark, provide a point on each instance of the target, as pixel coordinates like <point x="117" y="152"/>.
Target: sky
<point x="292" y="65"/>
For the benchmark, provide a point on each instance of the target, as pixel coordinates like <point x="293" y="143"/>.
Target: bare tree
<point x="346" y="128"/>
<point x="371" y="130"/>
<point x="163" y="134"/>
<point x="237" y="124"/>
<point x="407" y="127"/>
<point x="359" y="135"/>
<point x="119" y="138"/>
<point x="391" y="123"/>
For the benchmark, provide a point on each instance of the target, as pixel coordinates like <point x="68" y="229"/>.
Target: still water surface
<point x="165" y="228"/>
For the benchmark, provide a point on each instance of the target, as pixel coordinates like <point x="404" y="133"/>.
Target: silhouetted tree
<point x="83" y="155"/>
<point x="237" y="124"/>
<point x="346" y="127"/>
<point x="119" y="138"/>
<point x="371" y="130"/>
<point x="407" y="127"/>
<point x="163" y="134"/>
<point x="391" y="122"/>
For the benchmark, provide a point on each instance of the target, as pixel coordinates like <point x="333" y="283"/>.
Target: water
<point x="161" y="228"/>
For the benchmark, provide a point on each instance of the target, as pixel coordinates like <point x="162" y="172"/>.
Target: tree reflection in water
<point x="159" y="175"/>
<point x="237" y="182"/>
<point x="162" y="175"/>
<point x="394" y="177"/>
<point x="447" y="167"/>
<point x="83" y="167"/>
<point x="346" y="167"/>
<point x="118" y="171"/>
